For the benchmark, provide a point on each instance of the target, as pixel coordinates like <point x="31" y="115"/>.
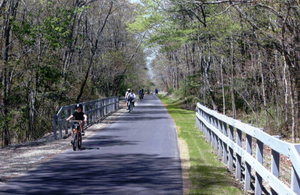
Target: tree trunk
<point x="232" y="81"/>
<point x="93" y="52"/>
<point x="5" y="70"/>
<point x="263" y="90"/>
<point x="223" y="90"/>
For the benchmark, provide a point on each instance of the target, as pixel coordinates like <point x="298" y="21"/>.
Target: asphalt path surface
<point x="137" y="154"/>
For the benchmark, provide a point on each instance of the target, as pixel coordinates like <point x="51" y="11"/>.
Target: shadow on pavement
<point x="100" y="174"/>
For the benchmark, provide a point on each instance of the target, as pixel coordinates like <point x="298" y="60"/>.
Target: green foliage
<point x="56" y="30"/>
<point x="50" y="73"/>
<point x="25" y="32"/>
<point x="148" y="17"/>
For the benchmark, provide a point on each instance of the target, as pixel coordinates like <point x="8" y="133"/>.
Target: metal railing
<point x="226" y="136"/>
<point x="95" y="110"/>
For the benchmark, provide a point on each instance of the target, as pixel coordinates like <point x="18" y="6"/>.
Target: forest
<point x="239" y="57"/>
<point x="58" y="52"/>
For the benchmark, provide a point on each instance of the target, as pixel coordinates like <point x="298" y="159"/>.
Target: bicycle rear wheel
<point x="79" y="141"/>
<point x="75" y="142"/>
<point x="131" y="107"/>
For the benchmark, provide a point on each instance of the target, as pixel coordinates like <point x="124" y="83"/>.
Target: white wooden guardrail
<point x="94" y="110"/>
<point x="226" y="136"/>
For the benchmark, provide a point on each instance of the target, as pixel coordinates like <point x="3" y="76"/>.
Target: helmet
<point x="128" y="89"/>
<point x="79" y="106"/>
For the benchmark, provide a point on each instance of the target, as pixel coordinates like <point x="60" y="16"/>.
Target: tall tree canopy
<point x="238" y="57"/>
<point x="55" y="53"/>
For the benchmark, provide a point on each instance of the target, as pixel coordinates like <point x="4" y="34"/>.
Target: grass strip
<point x="207" y="175"/>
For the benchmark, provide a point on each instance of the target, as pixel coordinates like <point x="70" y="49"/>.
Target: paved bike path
<point x="137" y="154"/>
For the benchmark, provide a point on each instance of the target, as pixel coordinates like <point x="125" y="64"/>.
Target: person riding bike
<point x="78" y="115"/>
<point x="131" y="97"/>
<point x="140" y="94"/>
<point x="126" y="96"/>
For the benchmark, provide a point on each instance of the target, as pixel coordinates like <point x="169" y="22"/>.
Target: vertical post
<point x="114" y="104"/>
<point x="66" y="122"/>
<point x="90" y="115"/>
<point x="54" y="126"/>
<point x="198" y="123"/>
<point x="209" y="133"/>
<point x="60" y="126"/>
<point x="71" y="124"/>
<point x="248" y="167"/>
<point x="224" y="130"/>
<point x="238" y="172"/>
<point x="230" y="158"/>
<point x="94" y="113"/>
<point x="259" y="158"/>
<point x="109" y="108"/>
<point x="295" y="182"/>
<point x="98" y="111"/>
<point x="220" y="127"/>
<point x="90" y="106"/>
<point x="275" y="167"/>
<point x="215" y="124"/>
<point x="106" y="106"/>
<point x="117" y="103"/>
<point x="212" y="134"/>
<point x="215" y="141"/>
<point x="102" y="107"/>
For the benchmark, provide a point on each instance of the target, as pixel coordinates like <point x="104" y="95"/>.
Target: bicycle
<point x="141" y="96"/>
<point x="130" y="105"/>
<point x="77" y="135"/>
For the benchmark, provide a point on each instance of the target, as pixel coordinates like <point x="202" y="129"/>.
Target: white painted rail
<point x="225" y="135"/>
<point x="95" y="110"/>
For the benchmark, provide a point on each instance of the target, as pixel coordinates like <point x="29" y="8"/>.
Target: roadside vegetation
<point x="57" y="53"/>
<point x="207" y="175"/>
<point x="240" y="58"/>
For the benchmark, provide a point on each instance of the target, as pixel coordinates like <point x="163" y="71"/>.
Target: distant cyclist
<point x="78" y="115"/>
<point x="131" y="97"/>
<point x="156" y="91"/>
<point x="143" y="92"/>
<point x="141" y="95"/>
<point x="126" y="96"/>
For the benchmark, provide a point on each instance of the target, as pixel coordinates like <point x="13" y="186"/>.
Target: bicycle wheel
<point x="79" y="141"/>
<point x="131" y="107"/>
<point x="75" y="142"/>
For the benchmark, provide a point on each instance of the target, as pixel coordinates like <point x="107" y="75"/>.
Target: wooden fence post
<point x="225" y="153"/>
<point x="248" y="166"/>
<point x="230" y="158"/>
<point x="295" y="182"/>
<point x="54" y="126"/>
<point x="60" y="127"/>
<point x="238" y="170"/>
<point x="275" y="167"/>
<point x="259" y="158"/>
<point x="66" y="122"/>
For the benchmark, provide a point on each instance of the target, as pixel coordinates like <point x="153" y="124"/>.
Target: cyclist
<point x="143" y="93"/>
<point x="140" y="94"/>
<point x="156" y="91"/>
<point x="131" y="97"/>
<point x="126" y="97"/>
<point x="78" y="115"/>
